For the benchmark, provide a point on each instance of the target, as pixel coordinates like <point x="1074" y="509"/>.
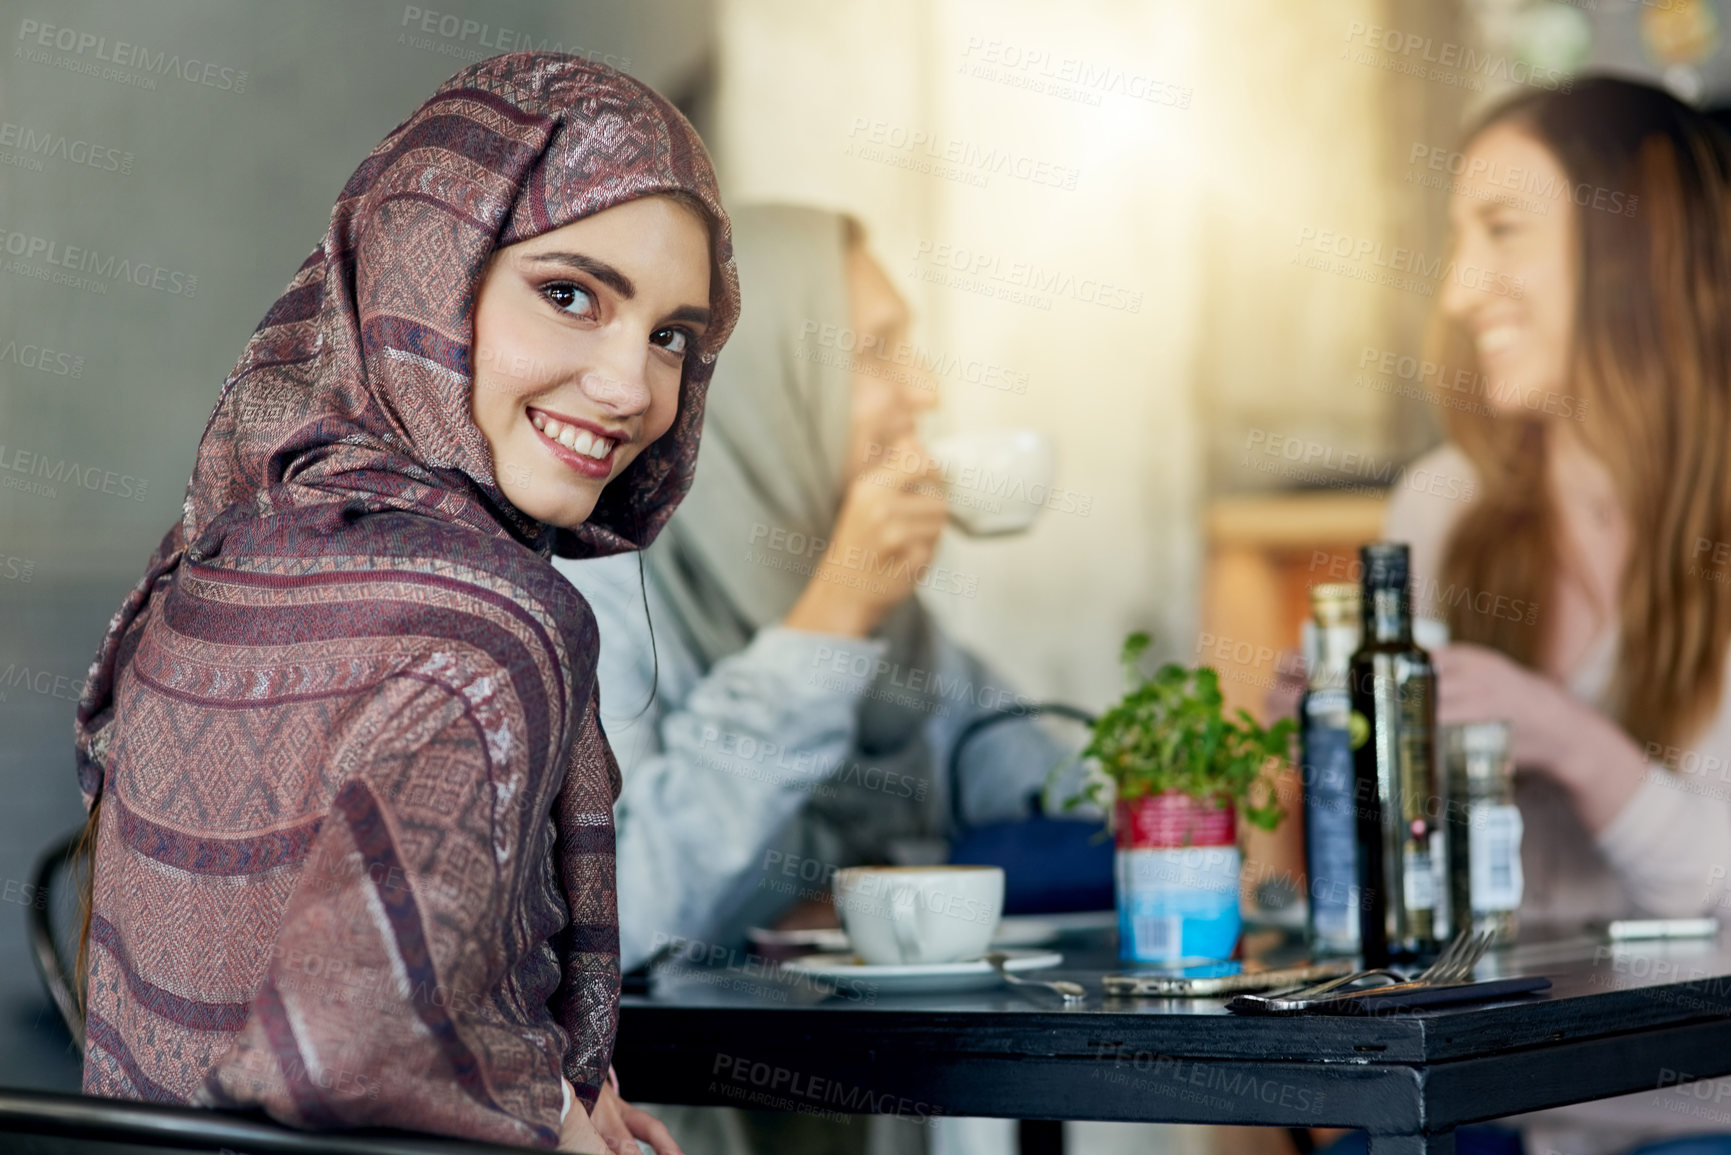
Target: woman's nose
<point x="1458" y="299"/>
<point x="620" y="389"/>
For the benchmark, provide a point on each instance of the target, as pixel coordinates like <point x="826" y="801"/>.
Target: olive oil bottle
<point x="1402" y="838"/>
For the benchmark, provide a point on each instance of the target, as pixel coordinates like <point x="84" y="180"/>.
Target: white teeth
<point x="568" y="437"/>
<point x="551" y="428"/>
<point x="601" y="448"/>
<point x="539" y="420"/>
<point x="585" y="439"/>
<point x="1498" y="339"/>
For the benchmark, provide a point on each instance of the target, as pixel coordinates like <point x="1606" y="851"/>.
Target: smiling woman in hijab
<point x="351" y="804"/>
<point x="804" y="700"/>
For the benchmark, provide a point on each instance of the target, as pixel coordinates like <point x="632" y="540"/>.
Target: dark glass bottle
<point x="1402" y="839"/>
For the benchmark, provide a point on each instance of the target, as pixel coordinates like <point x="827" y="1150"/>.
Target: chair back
<point x="43" y="1123"/>
<point x="54" y="915"/>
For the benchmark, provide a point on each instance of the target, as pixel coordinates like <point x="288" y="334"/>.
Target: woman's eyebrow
<point x="695" y="314"/>
<point x="600" y="270"/>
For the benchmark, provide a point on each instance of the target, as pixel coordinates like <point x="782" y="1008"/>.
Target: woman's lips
<point x="578" y="455"/>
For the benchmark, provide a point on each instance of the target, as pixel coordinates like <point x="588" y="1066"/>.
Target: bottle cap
<point x="1334" y="604"/>
<point x="1385" y="565"/>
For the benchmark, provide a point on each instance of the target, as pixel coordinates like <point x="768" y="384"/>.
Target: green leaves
<point x="1169" y="732"/>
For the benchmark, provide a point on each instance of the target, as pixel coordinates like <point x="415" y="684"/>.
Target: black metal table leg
<point x="1040" y="1137"/>
<point x="1432" y="1143"/>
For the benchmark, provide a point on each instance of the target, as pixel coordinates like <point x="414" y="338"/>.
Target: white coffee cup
<point x="905" y="915"/>
<point x="998" y="480"/>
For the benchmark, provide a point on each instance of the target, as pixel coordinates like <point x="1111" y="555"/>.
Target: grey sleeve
<point x="718" y="763"/>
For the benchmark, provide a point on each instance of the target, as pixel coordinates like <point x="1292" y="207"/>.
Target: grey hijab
<point x="772" y="469"/>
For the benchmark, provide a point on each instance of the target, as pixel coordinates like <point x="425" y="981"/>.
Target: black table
<point x="1620" y="1018"/>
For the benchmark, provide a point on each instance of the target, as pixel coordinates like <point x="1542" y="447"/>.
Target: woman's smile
<point x="582" y="445"/>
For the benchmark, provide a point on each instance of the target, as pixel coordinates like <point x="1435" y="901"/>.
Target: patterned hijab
<point x="356" y="386"/>
<point x="352" y="399"/>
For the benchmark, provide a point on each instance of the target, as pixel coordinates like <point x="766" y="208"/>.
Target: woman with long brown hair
<point x="1588" y="302"/>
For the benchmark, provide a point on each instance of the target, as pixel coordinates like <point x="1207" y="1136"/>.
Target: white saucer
<point x="974" y="975"/>
<point x="1014" y="930"/>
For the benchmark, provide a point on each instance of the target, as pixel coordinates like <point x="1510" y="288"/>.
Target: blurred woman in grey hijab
<point x="797" y="706"/>
<point x="780" y="702"/>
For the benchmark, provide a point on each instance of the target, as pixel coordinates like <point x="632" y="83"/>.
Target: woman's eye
<point x="675" y="341"/>
<point x="570" y="298"/>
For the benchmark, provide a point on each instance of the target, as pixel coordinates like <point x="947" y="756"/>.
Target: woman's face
<point x="581" y="336"/>
<point x="1512" y="287"/>
<point x="886" y="396"/>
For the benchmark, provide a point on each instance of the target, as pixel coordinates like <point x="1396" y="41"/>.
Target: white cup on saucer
<point x="917" y="915"/>
<point x="998" y="480"/>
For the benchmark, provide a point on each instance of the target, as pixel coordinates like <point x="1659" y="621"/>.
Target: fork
<point x="1455" y="963"/>
<point x="1068" y="991"/>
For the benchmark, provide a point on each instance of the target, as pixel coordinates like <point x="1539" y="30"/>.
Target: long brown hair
<point x="1650" y="365"/>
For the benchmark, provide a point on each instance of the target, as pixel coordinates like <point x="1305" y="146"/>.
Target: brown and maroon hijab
<point x="354" y="860"/>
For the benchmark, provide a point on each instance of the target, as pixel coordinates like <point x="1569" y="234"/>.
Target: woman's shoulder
<point x="1429" y="496"/>
<point x="413" y="573"/>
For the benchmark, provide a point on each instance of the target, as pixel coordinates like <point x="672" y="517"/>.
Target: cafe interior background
<point x="1169" y="234"/>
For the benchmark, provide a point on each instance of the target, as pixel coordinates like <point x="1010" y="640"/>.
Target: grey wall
<point x="213" y="183"/>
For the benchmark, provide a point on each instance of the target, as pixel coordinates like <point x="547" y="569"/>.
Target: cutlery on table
<point x="1452" y="966"/>
<point x="1068" y="991"/>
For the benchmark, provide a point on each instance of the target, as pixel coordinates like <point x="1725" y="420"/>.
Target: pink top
<point x="1663" y="856"/>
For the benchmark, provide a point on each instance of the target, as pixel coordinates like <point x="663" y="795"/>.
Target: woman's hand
<point x="884" y="538"/>
<point x="613" y="1128"/>
<point x="1554" y="732"/>
<point x="621" y="1125"/>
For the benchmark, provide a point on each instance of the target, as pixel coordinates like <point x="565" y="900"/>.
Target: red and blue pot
<point x="1177" y="878"/>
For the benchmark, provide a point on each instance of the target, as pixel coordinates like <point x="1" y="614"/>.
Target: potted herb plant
<point x="1174" y="771"/>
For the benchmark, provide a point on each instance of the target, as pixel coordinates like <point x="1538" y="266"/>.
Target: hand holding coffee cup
<point x="910" y="915"/>
<point x="998" y="480"/>
<point x="885" y="537"/>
